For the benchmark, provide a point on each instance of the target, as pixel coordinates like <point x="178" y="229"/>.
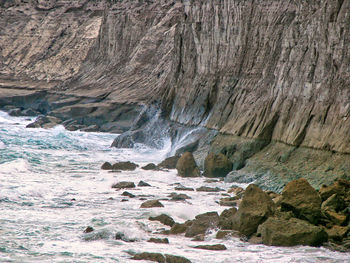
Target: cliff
<point x="262" y="70"/>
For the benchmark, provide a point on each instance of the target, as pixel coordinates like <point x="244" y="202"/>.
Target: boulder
<point x="209" y="189"/>
<point x="156" y="257"/>
<point x="176" y="259"/>
<point x="217" y="165"/>
<point x="169" y="163"/>
<point x="186" y="166"/>
<point x="44" y="122"/>
<point x="212" y="247"/>
<point x="178" y="197"/>
<point x="164" y="219"/>
<point x="334" y="203"/>
<point x="128" y="194"/>
<point x="299" y="197"/>
<point x="106" y="166"/>
<point x="337" y="233"/>
<point x="150" y="166"/>
<point x="254" y="209"/>
<point x="89" y="229"/>
<point x="179" y="228"/>
<point x="143" y="184"/>
<point x="292" y="232"/>
<point x="183" y="188"/>
<point x="159" y="240"/>
<point x="226" y="218"/>
<point x="201" y="223"/>
<point x="124" y="166"/>
<point x="151" y="203"/>
<point x="122" y="185"/>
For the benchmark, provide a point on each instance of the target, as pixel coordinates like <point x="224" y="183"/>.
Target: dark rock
<point x="124" y="166"/>
<point x="254" y="209"/>
<point x="169" y="163"/>
<point x="186" y="166"/>
<point x="179" y="228"/>
<point x="175" y="259"/>
<point x="292" y="232"/>
<point x="226" y="218"/>
<point x="44" y="122"/>
<point x="156" y="257"/>
<point x="191" y="147"/>
<point x="224" y="234"/>
<point x="212" y="247"/>
<point x="178" y="197"/>
<point x="122" y="185"/>
<point x="202" y="223"/>
<point x="209" y="189"/>
<point x="299" y="197"/>
<point x="159" y="240"/>
<point x="15" y="112"/>
<point x="334" y="203"/>
<point x="106" y="166"/>
<point x="88" y="229"/>
<point x="337" y="218"/>
<point x="150" y="166"/>
<point x="151" y="203"/>
<point x="217" y="165"/>
<point x="164" y="219"/>
<point x="30" y="112"/>
<point x="254" y="239"/>
<point x="122" y="236"/>
<point x="143" y="184"/>
<point x="128" y="194"/>
<point x="199" y="237"/>
<point x="183" y="188"/>
<point x="337" y="233"/>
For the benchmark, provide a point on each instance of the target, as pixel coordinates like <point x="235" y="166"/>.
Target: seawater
<point x="52" y="188"/>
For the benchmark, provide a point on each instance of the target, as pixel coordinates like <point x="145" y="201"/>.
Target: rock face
<point x="292" y="232"/>
<point x="217" y="165"/>
<point x="299" y="197"/>
<point x="254" y="209"/>
<point x="186" y="166"/>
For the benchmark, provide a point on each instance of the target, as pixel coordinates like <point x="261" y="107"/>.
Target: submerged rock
<point x="212" y="247"/>
<point x="164" y="219"/>
<point x="143" y="184"/>
<point x="158" y="240"/>
<point x="151" y="203"/>
<point x="106" y="166"/>
<point x="156" y="257"/>
<point x="217" y="165"/>
<point x="122" y="185"/>
<point x="88" y="229"/>
<point x="226" y="218"/>
<point x="128" y="194"/>
<point x="150" y="166"/>
<point x="124" y="166"/>
<point x="186" y="166"/>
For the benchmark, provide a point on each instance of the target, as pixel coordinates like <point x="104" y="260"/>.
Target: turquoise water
<point x="52" y="188"/>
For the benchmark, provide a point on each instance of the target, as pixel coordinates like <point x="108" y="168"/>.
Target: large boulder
<point x="254" y="209"/>
<point x="201" y="223"/>
<point x="186" y="166"/>
<point x="169" y="163"/>
<point x="291" y="232"/>
<point x="217" y="165"/>
<point x="125" y="166"/>
<point x="299" y="197"/>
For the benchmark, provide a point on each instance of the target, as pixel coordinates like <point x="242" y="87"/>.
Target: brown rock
<point x="183" y="188"/>
<point x="122" y="185"/>
<point x="186" y="166"/>
<point x="201" y="223"/>
<point x="212" y="247"/>
<point x="334" y="203"/>
<point x="179" y="228"/>
<point x="238" y="191"/>
<point x="158" y="240"/>
<point x="199" y="237"/>
<point x="224" y="234"/>
<point x="299" y="197"/>
<point x="124" y="166"/>
<point x="178" y="197"/>
<point x="151" y="203"/>
<point x="336" y="218"/>
<point x="209" y="189"/>
<point x="281" y="232"/>
<point x="143" y="184"/>
<point x="156" y="257"/>
<point x="169" y="163"/>
<point x="217" y="165"/>
<point x="339" y="187"/>
<point x="176" y="259"/>
<point x="337" y="233"/>
<point x="228" y="201"/>
<point x="164" y="219"/>
<point x="106" y="166"/>
<point x="150" y="166"/>
<point x="88" y="229"/>
<point x="226" y="218"/>
<point x="254" y="209"/>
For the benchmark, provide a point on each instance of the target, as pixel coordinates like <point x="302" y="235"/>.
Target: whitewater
<point x="52" y="188"/>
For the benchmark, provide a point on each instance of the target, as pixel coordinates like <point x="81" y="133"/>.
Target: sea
<point x="52" y="188"/>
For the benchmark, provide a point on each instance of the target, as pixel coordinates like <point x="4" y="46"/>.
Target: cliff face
<point x="263" y="69"/>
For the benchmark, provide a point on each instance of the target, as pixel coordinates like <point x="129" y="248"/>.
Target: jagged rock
<point x="337" y="233"/>
<point x="224" y="234"/>
<point x="299" y="197"/>
<point x="254" y="209"/>
<point x="150" y="166"/>
<point x="128" y="194"/>
<point x="217" y="165"/>
<point x="226" y="218"/>
<point x="176" y="259"/>
<point x="164" y="219"/>
<point x="281" y="232"/>
<point x="143" y="184"/>
<point x="340" y="187"/>
<point x="124" y="166"/>
<point x="106" y="166"/>
<point x="334" y="203"/>
<point x="88" y="229"/>
<point x="44" y="122"/>
<point x="209" y="189"/>
<point x="156" y="257"/>
<point x="186" y="166"/>
<point x="121" y="185"/>
<point x="169" y="163"/>
<point x="158" y="240"/>
<point x="151" y="203"/>
<point x="212" y="247"/>
<point x="336" y="218"/>
<point x="201" y="223"/>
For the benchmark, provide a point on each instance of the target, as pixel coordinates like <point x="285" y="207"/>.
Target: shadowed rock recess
<point x="272" y="77"/>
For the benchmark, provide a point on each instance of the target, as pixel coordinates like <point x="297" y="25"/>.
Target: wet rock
<point x="209" y="189"/>
<point x="128" y="194"/>
<point x="169" y="163"/>
<point x="91" y="128"/>
<point x="226" y="218"/>
<point x="143" y="184"/>
<point x="334" y="203"/>
<point x="337" y="218"/>
<point x="124" y="166"/>
<point x="158" y="240"/>
<point x="212" y="247"/>
<point x="97" y="235"/>
<point x="106" y="166"/>
<point x="183" y="188"/>
<point x="228" y="201"/>
<point x="254" y="239"/>
<point x="164" y="219"/>
<point x="217" y="165"/>
<point x="236" y="190"/>
<point x="150" y="166"/>
<point x="15" y="112"/>
<point x="30" y="112"/>
<point x="178" y="197"/>
<point x="337" y="233"/>
<point x="122" y="185"/>
<point x="44" y="122"/>
<point x="292" y="232"/>
<point x="202" y="223"/>
<point x="123" y="237"/>
<point x="88" y="229"/>
<point x="179" y="228"/>
<point x="151" y="203"/>
<point x="224" y="234"/>
<point x="124" y="200"/>
<point x="156" y="257"/>
<point x="299" y="197"/>
<point x="176" y="259"/>
<point x="199" y="238"/>
<point x="186" y="166"/>
<point x="254" y="209"/>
